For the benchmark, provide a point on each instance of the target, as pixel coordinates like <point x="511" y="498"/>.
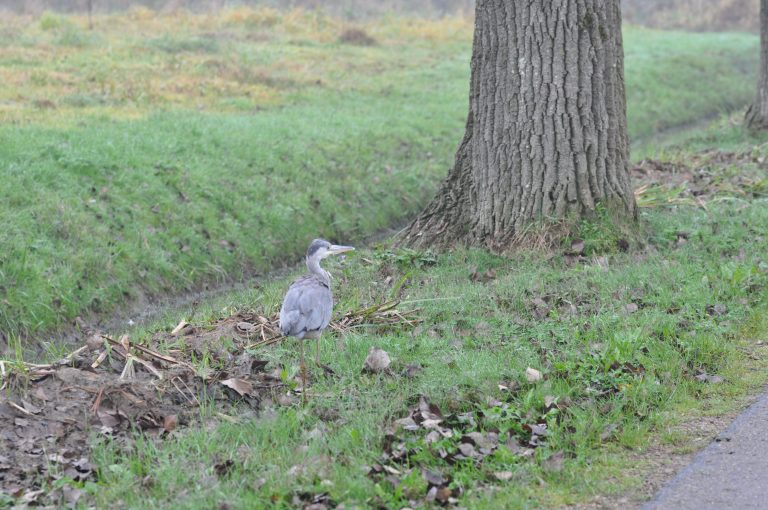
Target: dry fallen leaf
<point x="608" y="431"/>
<point x="94" y="342"/>
<point x="630" y="308"/>
<point x="245" y="327"/>
<point x="434" y="478"/>
<point x="412" y="370"/>
<point x="241" y="386"/>
<point x="511" y="386"/>
<point x="407" y="423"/>
<point x="30" y="407"/>
<point x="31" y="496"/>
<point x="485" y="441"/>
<point x="484" y="277"/>
<point x="705" y="377"/>
<point x="540" y="308"/>
<point x="377" y="361"/>
<point x="577" y="247"/>
<point x="222" y="469"/>
<point x="170" y="422"/>
<point x="443" y="495"/>
<point x="533" y="375"/>
<point x="468" y="450"/>
<point x="717" y="310"/>
<point x="125" y="343"/>
<point x="71" y="494"/>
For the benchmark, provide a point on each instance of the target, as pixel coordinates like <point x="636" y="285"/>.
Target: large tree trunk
<point x="757" y="114"/>
<point x="546" y="135"/>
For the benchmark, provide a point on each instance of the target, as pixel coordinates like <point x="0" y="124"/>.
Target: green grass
<point x="683" y="77"/>
<point x="628" y="376"/>
<point x="724" y="133"/>
<point x="138" y="161"/>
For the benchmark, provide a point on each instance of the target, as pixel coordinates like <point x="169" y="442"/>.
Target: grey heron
<point x="308" y="304"/>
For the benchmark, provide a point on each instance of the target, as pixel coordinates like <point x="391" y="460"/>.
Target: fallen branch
<point x="44" y="366"/>
<point x="384" y="314"/>
<point x="146" y="364"/>
<point x="149" y="352"/>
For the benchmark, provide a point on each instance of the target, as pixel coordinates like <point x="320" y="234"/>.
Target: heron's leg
<point x="303" y="369"/>
<point x="326" y="369"/>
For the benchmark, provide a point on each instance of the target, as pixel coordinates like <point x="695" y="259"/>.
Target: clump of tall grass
<point x="50" y="21"/>
<point x="252" y="18"/>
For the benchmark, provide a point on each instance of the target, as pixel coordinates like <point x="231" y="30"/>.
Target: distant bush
<point x="357" y="37"/>
<point x="50" y="21"/>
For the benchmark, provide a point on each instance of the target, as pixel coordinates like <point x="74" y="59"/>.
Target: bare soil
<point x="112" y="388"/>
<point x="51" y="414"/>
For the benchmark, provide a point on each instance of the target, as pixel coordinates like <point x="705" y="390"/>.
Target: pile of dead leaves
<point x="50" y="413"/>
<point x="385" y="314"/>
<point x="114" y="388"/>
<point x="431" y="442"/>
<point x="703" y="177"/>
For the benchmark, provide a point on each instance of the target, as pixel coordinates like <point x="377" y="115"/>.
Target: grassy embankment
<point x="620" y="339"/>
<point x="158" y="153"/>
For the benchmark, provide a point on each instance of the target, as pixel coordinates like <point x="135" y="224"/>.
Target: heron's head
<point x="320" y="249"/>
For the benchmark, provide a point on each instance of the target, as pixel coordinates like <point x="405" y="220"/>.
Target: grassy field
<point x="144" y="160"/>
<point x="676" y="78"/>
<point x="630" y="346"/>
<point x="160" y="153"/>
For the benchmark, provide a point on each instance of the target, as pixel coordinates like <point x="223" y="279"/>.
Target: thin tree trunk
<point x="546" y="132"/>
<point x="757" y="114"/>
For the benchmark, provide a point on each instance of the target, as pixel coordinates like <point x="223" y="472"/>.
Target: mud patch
<point x="51" y="414"/>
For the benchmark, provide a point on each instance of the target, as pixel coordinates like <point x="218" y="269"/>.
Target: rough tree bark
<point x="757" y="114"/>
<point x="546" y="132"/>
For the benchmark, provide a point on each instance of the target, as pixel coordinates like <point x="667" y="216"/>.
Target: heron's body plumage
<point x="307" y="307"/>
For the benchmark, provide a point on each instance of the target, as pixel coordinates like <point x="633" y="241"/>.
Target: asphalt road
<point x="731" y="473"/>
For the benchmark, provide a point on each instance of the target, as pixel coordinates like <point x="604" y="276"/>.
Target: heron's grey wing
<point x="307" y="307"/>
<point x="291" y="320"/>
<point x="316" y="303"/>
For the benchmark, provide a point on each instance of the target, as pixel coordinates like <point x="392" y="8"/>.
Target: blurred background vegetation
<point x="699" y="15"/>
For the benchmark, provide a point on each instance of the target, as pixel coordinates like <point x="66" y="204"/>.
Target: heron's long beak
<point x="335" y="249"/>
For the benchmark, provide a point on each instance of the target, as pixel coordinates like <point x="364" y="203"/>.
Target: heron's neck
<point x="313" y="264"/>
